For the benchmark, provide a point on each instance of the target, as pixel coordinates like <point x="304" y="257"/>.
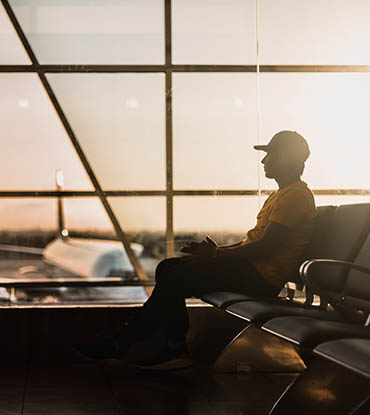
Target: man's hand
<point x="200" y="250"/>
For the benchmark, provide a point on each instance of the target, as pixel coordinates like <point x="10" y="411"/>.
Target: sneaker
<point x="104" y="348"/>
<point x="166" y="361"/>
<point x="99" y="349"/>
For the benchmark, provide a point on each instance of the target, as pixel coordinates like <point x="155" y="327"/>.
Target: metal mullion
<point x="145" y="193"/>
<point x="113" y="193"/>
<point x="102" y="68"/>
<point x="17" y="68"/>
<point x="121" y="235"/>
<point x="47" y="193"/>
<point x="314" y="68"/>
<point x="169" y="149"/>
<point x="183" y="68"/>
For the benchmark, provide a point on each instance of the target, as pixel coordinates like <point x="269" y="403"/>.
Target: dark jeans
<point x="177" y="279"/>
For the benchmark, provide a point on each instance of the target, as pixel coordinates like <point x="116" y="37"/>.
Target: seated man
<point x="259" y="265"/>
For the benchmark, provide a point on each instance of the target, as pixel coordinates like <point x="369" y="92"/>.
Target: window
<point x="132" y="124"/>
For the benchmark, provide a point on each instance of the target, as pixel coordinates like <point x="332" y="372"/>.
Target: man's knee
<point x="167" y="268"/>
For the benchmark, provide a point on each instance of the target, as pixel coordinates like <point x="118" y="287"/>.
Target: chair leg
<point x="256" y="350"/>
<point x="323" y="388"/>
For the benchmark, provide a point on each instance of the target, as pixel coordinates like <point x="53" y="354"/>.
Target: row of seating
<point x="337" y="270"/>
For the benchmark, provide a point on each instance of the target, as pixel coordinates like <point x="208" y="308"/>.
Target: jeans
<point x="177" y="279"/>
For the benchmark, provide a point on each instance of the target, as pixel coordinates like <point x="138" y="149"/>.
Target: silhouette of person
<point x="259" y="265"/>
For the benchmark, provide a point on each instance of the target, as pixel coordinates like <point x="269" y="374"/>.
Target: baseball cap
<point x="292" y="144"/>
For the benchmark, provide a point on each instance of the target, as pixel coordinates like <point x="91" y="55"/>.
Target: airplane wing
<point x="21" y="249"/>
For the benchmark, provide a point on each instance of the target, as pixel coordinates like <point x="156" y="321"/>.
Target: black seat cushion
<point x="222" y="299"/>
<point x="351" y="353"/>
<point x="258" y="312"/>
<point x="309" y="332"/>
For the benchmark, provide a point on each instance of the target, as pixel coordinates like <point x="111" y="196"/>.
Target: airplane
<point x="88" y="258"/>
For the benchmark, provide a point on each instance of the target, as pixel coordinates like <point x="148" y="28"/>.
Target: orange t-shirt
<point x="294" y="207"/>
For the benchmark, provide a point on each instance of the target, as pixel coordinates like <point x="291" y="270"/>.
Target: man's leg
<point x="177" y="279"/>
<point x="165" y="310"/>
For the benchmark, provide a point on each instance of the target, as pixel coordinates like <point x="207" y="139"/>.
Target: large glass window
<point x="133" y="123"/>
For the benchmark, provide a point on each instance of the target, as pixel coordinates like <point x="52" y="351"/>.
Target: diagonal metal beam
<point x="120" y="234"/>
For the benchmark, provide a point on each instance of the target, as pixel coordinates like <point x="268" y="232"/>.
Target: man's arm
<point x="193" y="247"/>
<point x="234" y="245"/>
<point x="274" y="235"/>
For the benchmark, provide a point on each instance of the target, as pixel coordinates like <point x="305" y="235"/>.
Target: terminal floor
<point x="81" y="389"/>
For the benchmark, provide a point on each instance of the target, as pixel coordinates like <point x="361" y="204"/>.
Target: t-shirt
<point x="294" y="207"/>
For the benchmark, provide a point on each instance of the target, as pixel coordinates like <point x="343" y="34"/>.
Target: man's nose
<point x="263" y="160"/>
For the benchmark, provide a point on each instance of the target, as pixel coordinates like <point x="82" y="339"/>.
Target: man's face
<point x="274" y="164"/>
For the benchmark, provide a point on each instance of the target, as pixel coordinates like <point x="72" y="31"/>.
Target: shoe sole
<point x="169" y="366"/>
<point x="112" y="362"/>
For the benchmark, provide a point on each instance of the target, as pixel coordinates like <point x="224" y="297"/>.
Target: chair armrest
<point x="337" y="300"/>
<point x="304" y="268"/>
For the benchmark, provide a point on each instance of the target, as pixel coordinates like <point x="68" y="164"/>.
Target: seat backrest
<point x="349" y="227"/>
<point x="320" y="229"/>
<point x="357" y="288"/>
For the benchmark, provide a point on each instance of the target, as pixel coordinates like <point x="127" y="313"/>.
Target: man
<point x="259" y="265"/>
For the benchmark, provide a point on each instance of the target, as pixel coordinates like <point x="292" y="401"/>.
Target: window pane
<point x="144" y="219"/>
<point x="215" y="127"/>
<point x="11" y="49"/>
<point x="331" y="111"/>
<point x="220" y="214"/>
<point x="119" y="120"/>
<point x="98" y="32"/>
<point x="314" y="32"/>
<point x="31" y="249"/>
<point x="33" y="141"/>
<point x="214" y="32"/>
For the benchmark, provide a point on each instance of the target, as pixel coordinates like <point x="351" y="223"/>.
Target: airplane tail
<point x="62" y="231"/>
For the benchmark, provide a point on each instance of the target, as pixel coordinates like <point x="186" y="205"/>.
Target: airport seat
<point x="308" y="332"/>
<point x="338" y="382"/>
<point x="223" y="299"/>
<point x="349" y="294"/>
<point x="260" y="311"/>
<point x="344" y="238"/>
<point x="342" y="226"/>
<point x="352" y="353"/>
<point x="344" y="346"/>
